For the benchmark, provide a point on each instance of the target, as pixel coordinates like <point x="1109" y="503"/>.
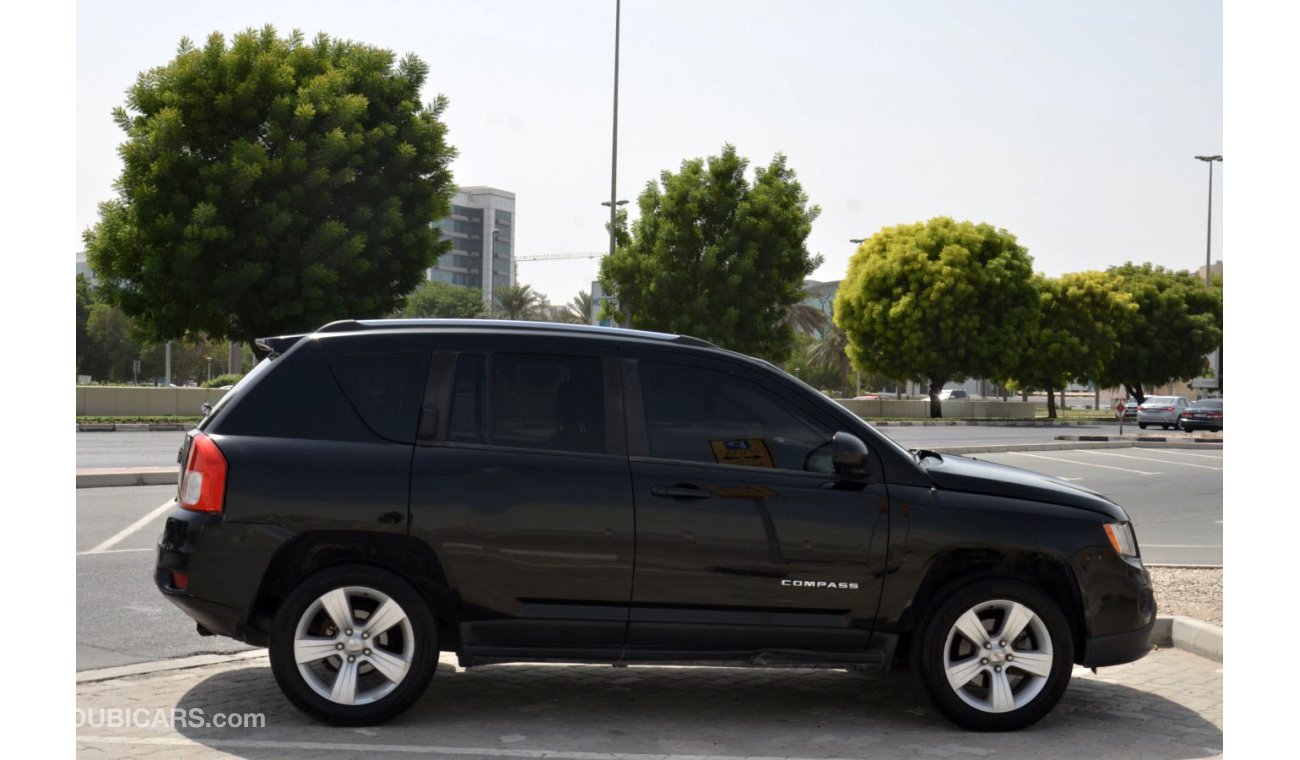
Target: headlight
<point x="1122" y="538"/>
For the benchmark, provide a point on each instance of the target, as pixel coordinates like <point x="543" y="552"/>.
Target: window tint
<point x="548" y="402"/>
<point x="537" y="402"/>
<point x="386" y="390"/>
<point x="704" y="415"/>
<point x="295" y="397"/>
<point x="468" y="418"/>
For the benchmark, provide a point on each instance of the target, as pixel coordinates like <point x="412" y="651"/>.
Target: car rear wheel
<point x="995" y="655"/>
<point x="353" y="646"/>
<point x="1142" y="426"/>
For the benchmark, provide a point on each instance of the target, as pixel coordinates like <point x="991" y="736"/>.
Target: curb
<point x="160" y="666"/>
<point x="982" y="423"/>
<point x="1192" y="440"/>
<point x="1068" y="444"/>
<point x="132" y="427"/>
<point x="1195" y="636"/>
<point x="126" y="476"/>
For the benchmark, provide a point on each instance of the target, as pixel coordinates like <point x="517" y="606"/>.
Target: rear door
<point x="520" y="484"/>
<point x="746" y="540"/>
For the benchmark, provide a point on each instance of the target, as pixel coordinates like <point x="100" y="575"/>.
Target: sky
<point x="1072" y="125"/>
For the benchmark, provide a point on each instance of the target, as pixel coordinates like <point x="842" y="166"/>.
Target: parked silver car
<point x="1206" y="414"/>
<point x="1164" y="411"/>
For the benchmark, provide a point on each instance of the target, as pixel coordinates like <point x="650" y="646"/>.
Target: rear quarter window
<point x="385" y="389"/>
<point x="296" y="397"/>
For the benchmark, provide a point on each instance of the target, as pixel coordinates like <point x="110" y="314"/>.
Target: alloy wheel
<point x="998" y="656"/>
<point x="353" y="645"/>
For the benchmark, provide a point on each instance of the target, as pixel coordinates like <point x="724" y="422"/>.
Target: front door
<point x="746" y="539"/>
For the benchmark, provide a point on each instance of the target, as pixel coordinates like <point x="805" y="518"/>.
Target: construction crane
<point x="554" y="257"/>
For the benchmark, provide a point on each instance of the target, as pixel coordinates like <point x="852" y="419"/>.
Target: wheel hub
<point x="353" y="645"/>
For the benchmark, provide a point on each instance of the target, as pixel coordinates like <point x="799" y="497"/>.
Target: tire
<point x="1142" y="426"/>
<point x="390" y="667"/>
<point x="1013" y="696"/>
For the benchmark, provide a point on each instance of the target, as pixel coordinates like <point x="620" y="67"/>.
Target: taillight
<point x="203" y="489"/>
<point x="1214" y="414"/>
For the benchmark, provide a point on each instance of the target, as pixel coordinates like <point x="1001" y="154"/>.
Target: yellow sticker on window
<point x="750" y="452"/>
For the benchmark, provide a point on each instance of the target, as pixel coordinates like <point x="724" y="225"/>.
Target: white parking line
<point x="1182" y="546"/>
<point x="116" y="538"/>
<point x="412" y="749"/>
<point x="90" y="552"/>
<point x="1218" y="457"/>
<point x="1085" y="464"/>
<point x="1149" y="459"/>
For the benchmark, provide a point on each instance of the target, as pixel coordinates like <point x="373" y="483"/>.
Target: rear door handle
<point x="683" y="491"/>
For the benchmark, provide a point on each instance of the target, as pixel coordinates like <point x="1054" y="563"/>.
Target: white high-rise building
<point x="482" y="230"/>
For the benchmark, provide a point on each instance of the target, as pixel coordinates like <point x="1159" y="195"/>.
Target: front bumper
<point x="1118" y="648"/>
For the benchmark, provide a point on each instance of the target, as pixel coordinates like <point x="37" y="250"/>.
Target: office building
<point x="482" y="230"/>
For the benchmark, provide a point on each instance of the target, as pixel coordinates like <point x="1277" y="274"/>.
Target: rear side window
<point x="533" y="401"/>
<point x="296" y="397"/>
<point x="386" y="390"/>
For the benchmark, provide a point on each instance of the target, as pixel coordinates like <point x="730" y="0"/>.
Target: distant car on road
<point x="954" y="394"/>
<point x="1130" y="409"/>
<point x="1206" y="414"/>
<point x="1164" y="411"/>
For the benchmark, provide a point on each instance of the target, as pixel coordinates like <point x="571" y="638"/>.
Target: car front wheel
<point x="995" y="655"/>
<point x="353" y="646"/>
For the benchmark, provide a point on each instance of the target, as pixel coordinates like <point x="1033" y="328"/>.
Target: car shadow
<point x="528" y="710"/>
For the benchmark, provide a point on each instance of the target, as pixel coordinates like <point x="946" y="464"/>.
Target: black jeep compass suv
<point x="378" y="492"/>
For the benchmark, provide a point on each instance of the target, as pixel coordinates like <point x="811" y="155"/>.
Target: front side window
<point x="533" y="401"/>
<point x="704" y="415"/>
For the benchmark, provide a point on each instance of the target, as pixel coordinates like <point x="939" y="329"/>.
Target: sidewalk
<point x="1167" y="705"/>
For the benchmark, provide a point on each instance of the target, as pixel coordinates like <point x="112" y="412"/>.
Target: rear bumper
<point x="224" y="563"/>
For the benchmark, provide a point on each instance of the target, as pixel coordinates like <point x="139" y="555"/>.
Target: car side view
<point x="378" y="492"/>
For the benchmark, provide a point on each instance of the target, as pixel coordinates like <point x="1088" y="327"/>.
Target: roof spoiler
<point x="278" y="344"/>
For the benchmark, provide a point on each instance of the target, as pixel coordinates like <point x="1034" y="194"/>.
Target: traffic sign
<point x="1119" y="408"/>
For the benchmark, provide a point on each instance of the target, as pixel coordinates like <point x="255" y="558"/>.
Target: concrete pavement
<point x="1167" y="705"/>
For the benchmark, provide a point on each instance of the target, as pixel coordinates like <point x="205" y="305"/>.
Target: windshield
<point x="1161" y="399"/>
<point x="1208" y="403"/>
<point x="244" y="382"/>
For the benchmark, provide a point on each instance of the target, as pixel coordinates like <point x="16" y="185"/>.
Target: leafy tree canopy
<point x="1177" y="322"/>
<point x="716" y="256"/>
<point x="271" y="186"/>
<point x="516" y="301"/>
<point x="937" y="301"/>
<point x="1077" y="332"/>
<point x="443" y="300"/>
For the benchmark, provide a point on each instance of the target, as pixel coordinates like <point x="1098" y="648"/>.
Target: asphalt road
<point x="121" y="617"/>
<point x="1174" y="496"/>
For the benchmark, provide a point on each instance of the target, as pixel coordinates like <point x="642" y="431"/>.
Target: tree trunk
<point x="1051" y="403"/>
<point x="1135" y="392"/>
<point x="936" y="409"/>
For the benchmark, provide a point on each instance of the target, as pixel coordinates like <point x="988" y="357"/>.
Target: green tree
<point x="85" y="300"/>
<point x="580" y="308"/>
<point x="442" y="300"/>
<point x="1177" y="322"/>
<point x="716" y="256"/>
<point x="111" y="346"/>
<point x="1077" y="332"/>
<point x="270" y="186"/>
<point x="829" y="352"/>
<point x="805" y="318"/>
<point x="516" y="301"/>
<point x="937" y="301"/>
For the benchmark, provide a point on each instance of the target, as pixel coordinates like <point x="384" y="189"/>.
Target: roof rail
<point x="357" y="325"/>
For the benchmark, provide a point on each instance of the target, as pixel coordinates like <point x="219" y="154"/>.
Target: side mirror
<point x="849" y="456"/>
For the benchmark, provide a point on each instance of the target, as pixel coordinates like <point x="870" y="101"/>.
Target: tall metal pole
<point x="613" y="164"/>
<point x="1209" y="221"/>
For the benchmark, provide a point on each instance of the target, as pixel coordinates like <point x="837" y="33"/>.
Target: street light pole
<point x="613" y="163"/>
<point x="1209" y="215"/>
<point x="1209" y="220"/>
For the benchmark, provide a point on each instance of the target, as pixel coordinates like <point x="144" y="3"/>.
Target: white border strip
<point x="411" y="749"/>
<point x="116" y="538"/>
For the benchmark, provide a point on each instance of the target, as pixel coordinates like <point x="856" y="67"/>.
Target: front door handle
<point x="682" y="491"/>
